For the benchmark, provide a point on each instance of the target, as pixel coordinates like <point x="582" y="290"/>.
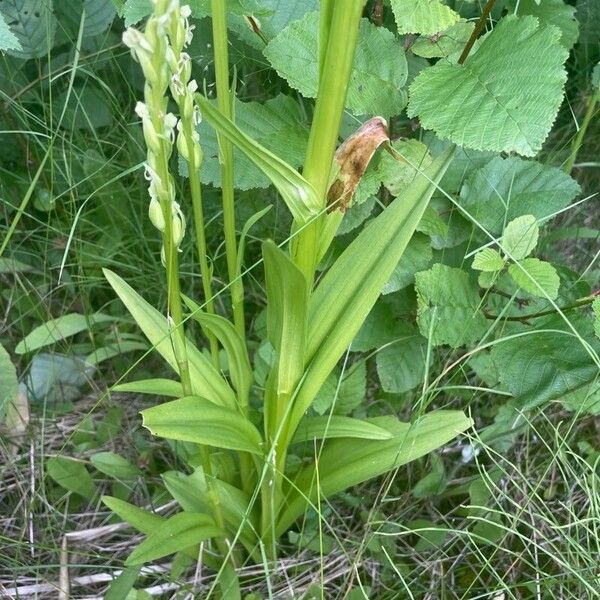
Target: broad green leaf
<point x="297" y="193"/>
<point x="136" y="10"/>
<point x="488" y="260"/>
<point x="114" y="465"/>
<point x="99" y="14"/>
<point x="585" y="400"/>
<point x="334" y="426"/>
<point x="344" y="463"/>
<point x="344" y="396"/>
<point x="399" y="170"/>
<point x="553" y="12"/>
<point x="588" y="15"/>
<point x="504" y="97"/>
<point x="507" y="188"/>
<point x="8" y="40"/>
<point x="87" y="108"/>
<point x="120" y="587"/>
<point x="8" y="381"/>
<point x="544" y="365"/>
<point x="287" y="301"/>
<point x="416" y="257"/>
<point x="33" y="24"/>
<point x="111" y="350"/>
<point x="174" y="535"/>
<point x="157" y="387"/>
<point x="71" y="475"/>
<point x="448" y="306"/>
<point x="233" y="344"/>
<point x="279" y="124"/>
<point x="348" y="291"/>
<point x="195" y="419"/>
<point x="423" y="16"/>
<point x="56" y="330"/>
<point x="138" y="518"/>
<point x="401" y="363"/>
<point x="206" y="380"/>
<point x="520" y="237"/>
<point x="378" y="77"/>
<point x="445" y="43"/>
<point x="434" y="483"/>
<point x="531" y="274"/>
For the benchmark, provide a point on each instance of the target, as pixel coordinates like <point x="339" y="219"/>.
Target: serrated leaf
<point x="8" y="40"/>
<point x="194" y="419"/>
<point x="175" y="534"/>
<point x="423" y="16"/>
<point x="342" y="396"/>
<point x="398" y="171"/>
<point x="335" y="426"/>
<point x="488" y="260"/>
<point x="114" y="465"/>
<point x="507" y="188"/>
<point x="520" y="237"/>
<point x="71" y="475"/>
<point x="33" y="24"/>
<point x="416" y="257"/>
<point x="504" y="97"/>
<point x="136" y="10"/>
<point x="401" y="363"/>
<point x="378" y="77"/>
<point x="8" y="381"/>
<point x="448" y="306"/>
<point x="553" y="12"/>
<point x="531" y="274"/>
<point x="442" y="45"/>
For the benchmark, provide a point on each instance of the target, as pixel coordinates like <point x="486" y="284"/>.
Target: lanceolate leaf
<point x="138" y="518"/>
<point x="334" y="426"/>
<point x="504" y="97"/>
<point x="206" y="380"/>
<point x="344" y="463"/>
<point x="8" y="381"/>
<point x="297" y="193"/>
<point x="346" y="294"/>
<point x="194" y="419"/>
<point x="157" y="387"/>
<point x="177" y="533"/>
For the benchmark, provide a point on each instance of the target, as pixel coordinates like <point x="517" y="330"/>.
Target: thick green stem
<point x="329" y="108"/>
<point x="224" y="101"/>
<point x="587" y="119"/>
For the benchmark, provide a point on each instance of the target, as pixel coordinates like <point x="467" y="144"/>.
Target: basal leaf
<point x="344" y="463"/>
<point x="71" y="475"/>
<point x="504" y="97"/>
<point x="537" y="277"/>
<point x="33" y="23"/>
<point x="448" y="306"/>
<point x="194" y="419"/>
<point x="507" y="188"/>
<point x="138" y="518"/>
<point x="520" y="237"/>
<point x="114" y="465"/>
<point x="177" y="533"/>
<point x="423" y="16"/>
<point x="156" y="387"/>
<point x="334" y="426"/>
<point x="380" y="70"/>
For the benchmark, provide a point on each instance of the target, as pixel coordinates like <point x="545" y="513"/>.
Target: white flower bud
<point x="178" y="225"/>
<point x="155" y="214"/>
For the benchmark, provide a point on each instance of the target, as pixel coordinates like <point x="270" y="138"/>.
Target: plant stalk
<point x="587" y="119"/>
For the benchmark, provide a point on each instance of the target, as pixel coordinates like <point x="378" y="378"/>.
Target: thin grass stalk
<point x="225" y="104"/>
<point x="587" y="119"/>
<point x="333" y="86"/>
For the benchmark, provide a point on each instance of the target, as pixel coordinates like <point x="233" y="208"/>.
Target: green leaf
<point x="344" y="463"/>
<point x="297" y="193"/>
<point x="434" y="483"/>
<point x="33" y="24"/>
<point x="99" y="15"/>
<point x="333" y="426"/>
<point x="488" y="260"/>
<point x="520" y="237"/>
<point x="596" y="308"/>
<point x="504" y="97"/>
<point x="122" y="584"/>
<point x="116" y="466"/>
<point x="87" y="108"/>
<point x="206" y="380"/>
<point x="507" y="188"/>
<point x="531" y="274"/>
<point x="177" y="533"/>
<point x="56" y="330"/>
<point x="115" y="349"/>
<point x="348" y="291"/>
<point x="277" y="124"/>
<point x="287" y="301"/>
<point x="543" y="365"/>
<point x="423" y="16"/>
<point x="157" y="387"/>
<point x="71" y="475"/>
<point x="344" y="396"/>
<point x="136" y="10"/>
<point x="138" y="518"/>
<point x="378" y="77"/>
<point x="8" y="381"/>
<point x="416" y="257"/>
<point x="399" y="170"/>
<point x="233" y="344"/>
<point x="8" y="40"/>
<point x="195" y="419"/>
<point x="553" y="12"/>
<point x="448" y="306"/>
<point x="401" y="364"/>
<point x="445" y="43"/>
